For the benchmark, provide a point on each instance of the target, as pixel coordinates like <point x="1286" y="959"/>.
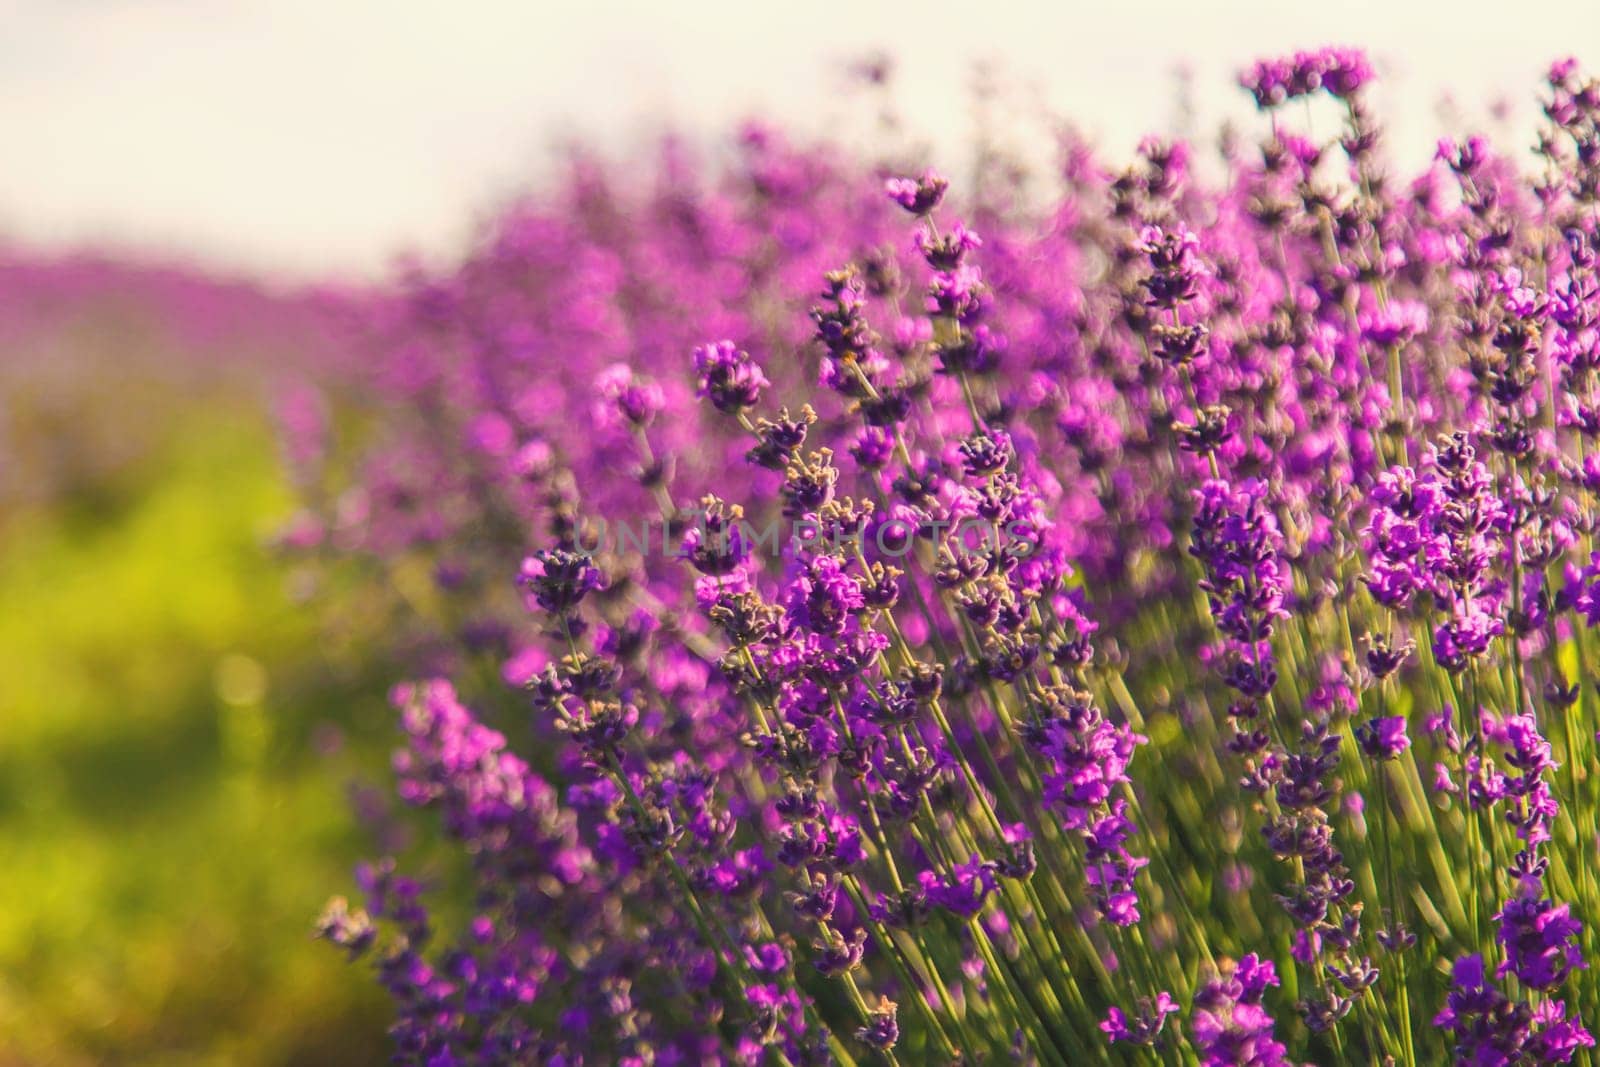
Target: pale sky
<point x="303" y="138"/>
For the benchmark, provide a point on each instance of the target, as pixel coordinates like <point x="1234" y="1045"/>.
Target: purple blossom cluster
<point x="1154" y="541"/>
<point x="1231" y="1028"/>
<point x="1340" y="72"/>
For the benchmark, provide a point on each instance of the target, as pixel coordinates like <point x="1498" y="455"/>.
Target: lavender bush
<point x="1150" y="628"/>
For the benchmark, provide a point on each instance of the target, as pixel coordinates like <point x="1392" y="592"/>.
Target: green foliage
<point x="177" y="742"/>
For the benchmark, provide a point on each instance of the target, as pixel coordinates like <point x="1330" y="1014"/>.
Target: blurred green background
<point x="180" y="725"/>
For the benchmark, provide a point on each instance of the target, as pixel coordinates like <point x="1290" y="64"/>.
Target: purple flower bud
<point x="917" y="195"/>
<point x="1383" y="738"/>
<point x="728" y="377"/>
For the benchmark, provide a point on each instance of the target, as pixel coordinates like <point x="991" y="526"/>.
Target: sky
<point x="312" y="139"/>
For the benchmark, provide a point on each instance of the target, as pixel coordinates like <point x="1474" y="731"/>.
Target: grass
<point x="173" y="805"/>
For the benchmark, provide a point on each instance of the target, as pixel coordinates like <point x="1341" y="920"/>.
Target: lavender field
<point x="781" y="602"/>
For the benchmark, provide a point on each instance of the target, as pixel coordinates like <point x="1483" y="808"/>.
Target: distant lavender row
<point x="96" y="350"/>
<point x="1272" y="742"/>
